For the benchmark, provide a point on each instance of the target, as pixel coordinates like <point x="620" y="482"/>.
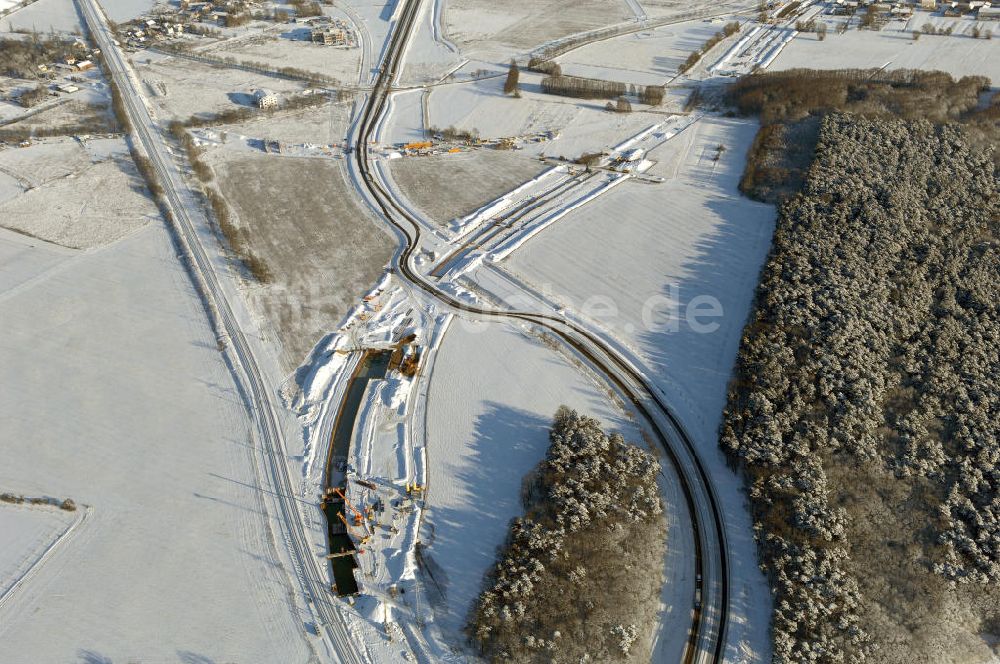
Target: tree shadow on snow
<point x="486" y="481"/>
<point x="92" y="657"/>
<point x="188" y="657"/>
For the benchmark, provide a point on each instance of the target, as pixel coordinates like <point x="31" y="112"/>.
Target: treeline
<point x="237" y="237"/>
<point x="304" y="8"/>
<point x="452" y="133"/>
<point x="555" y="50"/>
<point x="568" y="585"/>
<point x="790" y="104"/>
<point x="585" y="88"/>
<point x="730" y="28"/>
<point x="595" y="88"/>
<point x="96" y="123"/>
<point x="193" y="151"/>
<point x="292" y="73"/>
<point x="866" y="387"/>
<point x="16" y="499"/>
<point x="235" y="20"/>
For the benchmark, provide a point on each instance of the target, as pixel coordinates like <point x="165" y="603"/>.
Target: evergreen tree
<point x="513" y="76"/>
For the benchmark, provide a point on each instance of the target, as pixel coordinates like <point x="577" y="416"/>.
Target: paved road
<point x="311" y="578"/>
<point x="707" y="637"/>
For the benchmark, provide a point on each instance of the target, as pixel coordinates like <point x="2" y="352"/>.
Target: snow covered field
<point x="322" y="250"/>
<point x="496" y="31"/>
<point x="493" y="393"/>
<point x="29" y="534"/>
<point x="649" y="57"/>
<point x="893" y="47"/>
<point x="181" y="88"/>
<point x="581" y="125"/>
<point x="438" y="184"/>
<point x="43" y="15"/>
<point x="62" y="16"/>
<point x="76" y="195"/>
<point x="642" y="245"/>
<point x="289" y="45"/>
<point x="114" y="394"/>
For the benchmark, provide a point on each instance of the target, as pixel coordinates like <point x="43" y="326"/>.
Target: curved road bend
<point x="707" y="637"/>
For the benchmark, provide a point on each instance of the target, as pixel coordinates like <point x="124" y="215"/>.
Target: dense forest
<point x="864" y="410"/>
<point x="791" y="103"/>
<point x="565" y="587"/>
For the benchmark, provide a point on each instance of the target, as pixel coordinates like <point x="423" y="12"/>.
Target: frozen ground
<point x="453" y="185"/>
<point x="582" y="125"/>
<point x="321" y="125"/>
<point x="639" y="257"/>
<point x="323" y="249"/>
<point x="650" y="57"/>
<point x="192" y="87"/>
<point x="289" y="45"/>
<point x="47" y="160"/>
<point x="44" y="15"/>
<point x="893" y="47"/>
<point x="431" y="55"/>
<point x="496" y="31"/>
<point x="29" y="533"/>
<point x="642" y="245"/>
<point x="62" y="16"/>
<point x="73" y="197"/>
<point x="493" y="393"/>
<point x="115" y="395"/>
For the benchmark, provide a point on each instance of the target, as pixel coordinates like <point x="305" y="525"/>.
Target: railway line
<point x="311" y="580"/>
<point x="707" y="637"/>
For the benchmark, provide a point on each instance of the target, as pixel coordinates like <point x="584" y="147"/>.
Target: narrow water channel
<point x="373" y="365"/>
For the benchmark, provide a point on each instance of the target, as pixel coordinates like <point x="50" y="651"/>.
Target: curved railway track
<point x="711" y="550"/>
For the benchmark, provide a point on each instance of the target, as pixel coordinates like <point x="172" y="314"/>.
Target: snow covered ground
<point x="179" y="88"/>
<point x="893" y="47"/>
<point x="493" y="393"/>
<point x="430" y="55"/>
<point x="43" y="15"/>
<point x="649" y="57"/>
<point x="61" y="15"/>
<point x="30" y="535"/>
<point x="581" y="125"/>
<point x="497" y="31"/>
<point x="90" y="192"/>
<point x="115" y="395"/>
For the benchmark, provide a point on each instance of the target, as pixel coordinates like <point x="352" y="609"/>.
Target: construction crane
<point x="362" y="540"/>
<point x="359" y="518"/>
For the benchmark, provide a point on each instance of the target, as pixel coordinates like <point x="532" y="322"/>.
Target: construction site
<point x="362" y="507"/>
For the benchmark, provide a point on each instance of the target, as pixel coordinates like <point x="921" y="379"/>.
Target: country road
<point x="709" y="616"/>
<point x="707" y="636"/>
